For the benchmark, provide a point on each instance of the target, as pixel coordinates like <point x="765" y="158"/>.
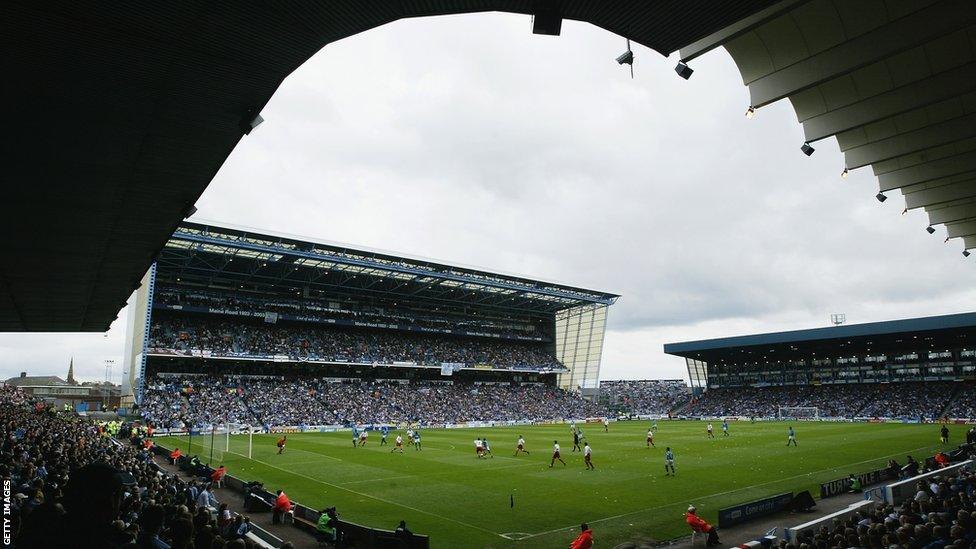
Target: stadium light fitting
<point x="881" y="197"/>
<point x="684" y="71"/>
<point x="930" y="229"/>
<point x="965" y="253"/>
<point x="627" y="58"/>
<point x="751" y="112"/>
<point x="845" y="173"/>
<point x="251" y="119"/>
<point x="807" y="149"/>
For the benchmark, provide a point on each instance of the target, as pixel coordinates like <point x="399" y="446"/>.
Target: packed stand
<point x="908" y="400"/>
<point x="197" y="402"/>
<point x="74" y="486"/>
<point x="217" y="338"/>
<point x="941" y="515"/>
<point x="644" y="396"/>
<point x="964" y="403"/>
<point x="276" y="402"/>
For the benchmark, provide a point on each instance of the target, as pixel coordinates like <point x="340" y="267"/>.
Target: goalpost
<point x="798" y="412"/>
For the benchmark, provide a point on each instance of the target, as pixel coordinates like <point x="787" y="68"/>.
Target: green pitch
<point x="461" y="501"/>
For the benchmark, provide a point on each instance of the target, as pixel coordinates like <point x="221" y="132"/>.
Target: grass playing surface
<point x="460" y="501"/>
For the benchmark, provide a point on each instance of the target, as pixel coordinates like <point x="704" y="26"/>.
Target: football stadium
<point x="283" y="391"/>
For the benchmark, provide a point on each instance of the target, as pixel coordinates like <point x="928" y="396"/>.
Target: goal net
<point x="798" y="412"/>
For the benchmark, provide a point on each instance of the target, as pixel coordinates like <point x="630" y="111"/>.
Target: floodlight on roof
<point x="627" y="58"/>
<point x="751" y="112"/>
<point x="881" y="197"/>
<point x="845" y="173"/>
<point x="807" y="149"/>
<point x="684" y="71"/>
<point x="930" y="229"/>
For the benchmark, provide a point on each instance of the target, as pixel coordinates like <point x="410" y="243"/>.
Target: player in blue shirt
<point x="669" y="462"/>
<point x="725" y="427"/>
<point x="384" y="432"/>
<point x="416" y="440"/>
<point x="791" y="436"/>
<point x="355" y="436"/>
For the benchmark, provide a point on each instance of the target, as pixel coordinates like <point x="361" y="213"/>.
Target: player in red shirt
<point x="281" y="443"/>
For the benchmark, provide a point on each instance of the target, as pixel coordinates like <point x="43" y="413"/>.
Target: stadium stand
<point x="242" y="340"/>
<point x="203" y="401"/>
<point x="894" y="400"/>
<point x="941" y="514"/>
<point x="644" y="396"/>
<point x="72" y="485"/>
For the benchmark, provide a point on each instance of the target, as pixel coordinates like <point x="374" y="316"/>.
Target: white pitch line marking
<point x="380" y="499"/>
<point x="700" y="498"/>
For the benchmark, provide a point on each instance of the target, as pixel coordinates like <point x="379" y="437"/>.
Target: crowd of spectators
<point x="644" y="396"/>
<point x="907" y="400"/>
<point x="941" y="515"/>
<point x="202" y="401"/>
<point x="964" y="404"/>
<point x="333" y="344"/>
<point x="74" y="486"/>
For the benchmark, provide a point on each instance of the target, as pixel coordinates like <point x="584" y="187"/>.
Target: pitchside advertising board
<point x="843" y="485"/>
<point x="753" y="510"/>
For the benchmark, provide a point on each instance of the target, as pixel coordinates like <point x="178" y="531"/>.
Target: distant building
<point x="56" y="391"/>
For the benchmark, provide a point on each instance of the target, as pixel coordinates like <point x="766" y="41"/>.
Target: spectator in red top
<point x="941" y="459"/>
<point x="282" y="505"/>
<point x="698" y="524"/>
<point x="175" y="455"/>
<point x="218" y="474"/>
<point x="584" y="540"/>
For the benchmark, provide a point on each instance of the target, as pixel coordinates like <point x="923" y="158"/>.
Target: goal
<point x="798" y="412"/>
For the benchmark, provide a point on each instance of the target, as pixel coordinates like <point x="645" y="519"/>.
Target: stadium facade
<point x="222" y="300"/>
<point x="938" y="348"/>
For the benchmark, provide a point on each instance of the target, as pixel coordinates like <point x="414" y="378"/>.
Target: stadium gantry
<point x="223" y="281"/>
<point x="937" y="348"/>
<point x="126" y="111"/>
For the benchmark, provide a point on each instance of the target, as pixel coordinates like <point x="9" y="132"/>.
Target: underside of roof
<point x="893" y="80"/>
<point x="207" y="256"/>
<point x="120" y="113"/>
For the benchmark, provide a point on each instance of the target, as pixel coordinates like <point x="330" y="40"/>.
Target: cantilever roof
<point x="934" y="331"/>
<point x="250" y="258"/>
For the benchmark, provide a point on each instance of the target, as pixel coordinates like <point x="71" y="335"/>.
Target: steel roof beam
<point x="939" y="195"/>
<point x="956" y="211"/>
<point x="945" y="167"/>
<point x="911" y="142"/>
<point x="918" y="94"/>
<point x="964" y="228"/>
<point x="905" y="33"/>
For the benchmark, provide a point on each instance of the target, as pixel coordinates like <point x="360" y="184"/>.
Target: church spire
<point x="71" y="372"/>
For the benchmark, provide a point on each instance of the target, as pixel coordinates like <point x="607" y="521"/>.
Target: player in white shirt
<point x="709" y="430"/>
<point x="362" y="438"/>
<point x="606" y="425"/>
<point x="555" y="454"/>
<point x="520" y="446"/>
<point x="399" y="445"/>
<point x="650" y="438"/>
<point x="586" y="456"/>
<point x="479" y="448"/>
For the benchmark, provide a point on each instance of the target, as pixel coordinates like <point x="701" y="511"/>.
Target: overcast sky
<point x="470" y="140"/>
